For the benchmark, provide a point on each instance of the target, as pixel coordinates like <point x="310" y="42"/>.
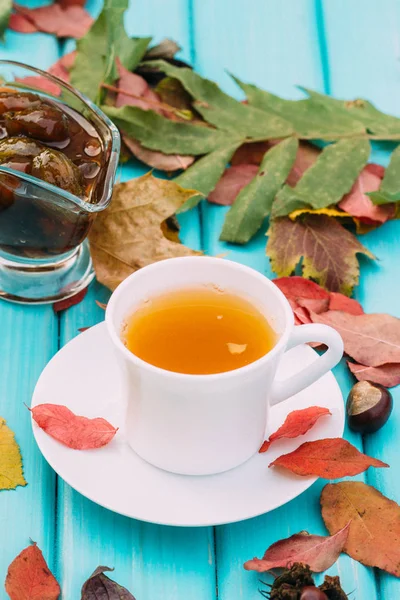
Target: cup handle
<point x="281" y="390"/>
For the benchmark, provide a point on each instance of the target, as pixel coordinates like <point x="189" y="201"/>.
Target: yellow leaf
<point x="361" y="228"/>
<point x="329" y="212"/>
<point x="138" y="228"/>
<point x="11" y="474"/>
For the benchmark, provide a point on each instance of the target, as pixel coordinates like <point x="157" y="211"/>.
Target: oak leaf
<point x="11" y="474"/>
<point x="330" y="458"/>
<point x="317" y="551"/>
<point x="128" y="235"/>
<point x="387" y="375"/>
<point x="298" y="422"/>
<point x="372" y="340"/>
<point x="101" y="587"/>
<point x="374" y="535"/>
<point x="29" y="577"/>
<point x="328" y="250"/>
<point x="79" y="433"/>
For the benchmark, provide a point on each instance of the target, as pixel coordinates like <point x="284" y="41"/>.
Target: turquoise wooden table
<point x="343" y="48"/>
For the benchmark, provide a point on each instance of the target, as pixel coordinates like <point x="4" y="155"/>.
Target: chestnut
<point x="368" y="406"/>
<point x="313" y="593"/>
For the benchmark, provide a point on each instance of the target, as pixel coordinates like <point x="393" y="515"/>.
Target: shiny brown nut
<point x="313" y="593"/>
<point x="10" y="100"/>
<point x="55" y="168"/>
<point x="368" y="407"/>
<point x="45" y="123"/>
<point x="13" y="147"/>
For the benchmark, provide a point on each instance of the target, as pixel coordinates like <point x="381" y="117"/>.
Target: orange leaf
<point x="298" y="422"/>
<point x="79" y="433"/>
<point x="374" y="536"/>
<point x="330" y="458"/>
<point x="29" y="577"/>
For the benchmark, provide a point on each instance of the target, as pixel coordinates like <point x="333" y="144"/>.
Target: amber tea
<point x="198" y="331"/>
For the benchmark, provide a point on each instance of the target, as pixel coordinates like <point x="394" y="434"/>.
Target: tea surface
<point x="198" y="331"/>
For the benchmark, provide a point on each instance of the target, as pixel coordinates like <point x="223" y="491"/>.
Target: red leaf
<point x="136" y="85"/>
<point x="358" y="204"/>
<point x="29" y="577"/>
<point x="230" y="184"/>
<point x="62" y="67"/>
<point x="330" y="458"/>
<point x="21" y="24"/>
<point x="372" y="340"/>
<point x="341" y="302"/>
<point x="59" y="69"/>
<point x="72" y="21"/>
<point x="298" y="422"/>
<point x="298" y="287"/>
<point x="66" y="3"/>
<point x="376" y="169"/>
<point x="79" y="433"/>
<point x="317" y="551"/>
<point x="387" y="375"/>
<point x="305" y="158"/>
<point x="71" y="301"/>
<point x="317" y="305"/>
<point x="250" y="154"/>
<point x="40" y="83"/>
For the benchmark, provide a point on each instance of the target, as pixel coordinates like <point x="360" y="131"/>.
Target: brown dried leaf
<point x="387" y="375"/>
<point x="372" y="340"/>
<point x="374" y="536"/>
<point x="128" y="235"/>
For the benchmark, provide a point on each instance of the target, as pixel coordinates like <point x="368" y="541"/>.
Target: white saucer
<point x="84" y="376"/>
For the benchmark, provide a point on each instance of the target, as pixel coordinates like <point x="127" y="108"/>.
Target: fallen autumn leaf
<point x="128" y="235"/>
<point x="374" y="535"/>
<point x="316" y="551"/>
<point x="11" y="474"/>
<point x="329" y="458"/>
<point x="77" y="432"/>
<point x="29" y="577"/>
<point x="298" y="422"/>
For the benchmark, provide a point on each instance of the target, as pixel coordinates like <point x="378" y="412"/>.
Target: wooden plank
<point x="369" y="34"/>
<point x="152" y="561"/>
<point x="276" y="48"/>
<point x="28" y="341"/>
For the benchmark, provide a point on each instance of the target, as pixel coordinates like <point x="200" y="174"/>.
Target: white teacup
<point x="206" y="424"/>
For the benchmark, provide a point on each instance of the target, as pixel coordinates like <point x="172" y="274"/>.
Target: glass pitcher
<point x="44" y="253"/>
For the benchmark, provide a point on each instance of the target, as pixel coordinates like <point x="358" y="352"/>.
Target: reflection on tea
<point x="198" y="331"/>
